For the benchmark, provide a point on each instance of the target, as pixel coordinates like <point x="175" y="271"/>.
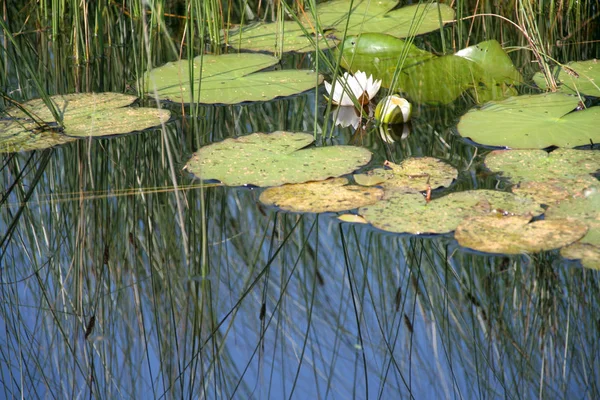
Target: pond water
<point x="124" y="276"/>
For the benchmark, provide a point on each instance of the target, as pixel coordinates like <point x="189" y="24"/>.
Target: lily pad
<point x="554" y="191"/>
<point x="331" y="195"/>
<point x="539" y="165"/>
<point x="587" y="253"/>
<point x="228" y="79"/>
<point x="274" y="37"/>
<point x="484" y="68"/>
<point x="273" y="159"/>
<point x="23" y="135"/>
<point x="406" y="211"/>
<point x="514" y="234"/>
<point x="83" y="114"/>
<point x="532" y="121"/>
<point x="575" y="77"/>
<point x="352" y="218"/>
<point x="382" y="17"/>
<point x="496" y="71"/>
<point x="418" y="173"/>
<point x="585" y="208"/>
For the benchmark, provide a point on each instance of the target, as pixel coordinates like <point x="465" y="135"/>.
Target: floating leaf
<point x="575" y="77"/>
<point x="496" y="71"/>
<point x="21" y="135"/>
<point x="352" y="218"/>
<point x="381" y="17"/>
<point x="587" y="253"/>
<point x="407" y="211"/>
<point x="83" y="114"/>
<point x="425" y="78"/>
<point x="539" y="165"/>
<point x="554" y="191"/>
<point x="585" y="208"/>
<point x="514" y="234"/>
<point x="331" y="195"/>
<point x="274" y="37"/>
<point x="532" y="121"/>
<point x="274" y="159"/>
<point x="418" y="173"/>
<point x="228" y="79"/>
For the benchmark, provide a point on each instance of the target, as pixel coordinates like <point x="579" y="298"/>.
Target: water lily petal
<point x="347" y="116"/>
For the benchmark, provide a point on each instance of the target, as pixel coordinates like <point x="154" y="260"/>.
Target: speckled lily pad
<point x="84" y="114"/>
<point x="407" y="211"/>
<point x="274" y="159"/>
<point x="227" y="79"/>
<point x="417" y="173"/>
<point x="515" y="234"/>
<point x="331" y="195"/>
<point x="539" y="165"/>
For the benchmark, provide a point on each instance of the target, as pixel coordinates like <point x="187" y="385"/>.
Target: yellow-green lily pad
<point x="555" y="190"/>
<point x="362" y="16"/>
<point x="381" y="16"/>
<point x="539" y="165"/>
<point x="331" y="195"/>
<point x="274" y="159"/>
<point x="274" y="37"/>
<point x="532" y="122"/>
<point x="587" y="253"/>
<point x="227" y="79"/>
<point x="418" y="173"/>
<point x="575" y="77"/>
<point x="584" y="208"/>
<point x="407" y="211"/>
<point x="515" y="234"/>
<point x="33" y="125"/>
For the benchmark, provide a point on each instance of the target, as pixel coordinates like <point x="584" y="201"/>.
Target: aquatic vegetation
<point x="350" y="88"/>
<point x="484" y="69"/>
<point x="532" y="122"/>
<point x="273" y="159"/>
<point x="227" y="79"/>
<point x="393" y="110"/>
<point x="418" y="173"/>
<point x="32" y="126"/>
<point x="516" y="234"/>
<point x="408" y="211"/>
<point x="331" y="195"/>
<point x="335" y="16"/>
<point x="581" y="77"/>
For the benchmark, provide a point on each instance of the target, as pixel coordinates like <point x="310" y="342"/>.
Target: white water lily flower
<point x="347" y="116"/>
<point x="360" y="87"/>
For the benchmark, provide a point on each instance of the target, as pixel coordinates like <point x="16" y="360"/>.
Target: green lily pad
<point x="496" y="71"/>
<point x="273" y="37"/>
<point x="228" y="79"/>
<point x="554" y="191"/>
<point x="379" y="53"/>
<point x="84" y="114"/>
<point x="273" y="159"/>
<point x="584" y="208"/>
<point x="23" y="135"/>
<point x="406" y="211"/>
<point x="365" y="16"/>
<point x="532" y="121"/>
<point x="381" y="17"/>
<point x="484" y="68"/>
<point x="587" y="253"/>
<point x="514" y="234"/>
<point x="575" y="77"/>
<point x="418" y="173"/>
<point x="331" y="195"/>
<point x="539" y="165"/>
